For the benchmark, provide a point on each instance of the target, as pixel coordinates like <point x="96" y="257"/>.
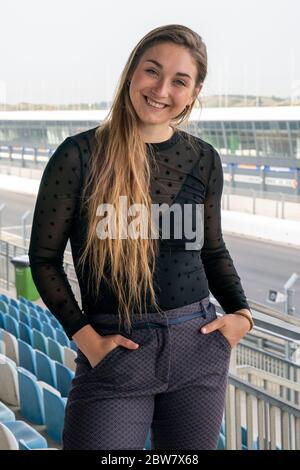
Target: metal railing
<point x="269" y="422"/>
<point x="272" y="204"/>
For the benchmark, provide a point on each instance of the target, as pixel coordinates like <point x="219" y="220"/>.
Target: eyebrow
<point x="181" y="74"/>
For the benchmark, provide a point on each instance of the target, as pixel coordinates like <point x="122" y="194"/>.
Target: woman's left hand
<point x="232" y="325"/>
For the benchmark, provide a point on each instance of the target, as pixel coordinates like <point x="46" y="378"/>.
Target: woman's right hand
<point x="95" y="347"/>
<point x="107" y="344"/>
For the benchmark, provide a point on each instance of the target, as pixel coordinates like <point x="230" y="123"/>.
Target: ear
<point x="196" y="93"/>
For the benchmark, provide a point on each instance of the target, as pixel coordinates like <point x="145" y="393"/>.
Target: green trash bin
<point x="25" y="286"/>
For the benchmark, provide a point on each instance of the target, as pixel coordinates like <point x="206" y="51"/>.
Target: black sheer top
<point x="181" y="174"/>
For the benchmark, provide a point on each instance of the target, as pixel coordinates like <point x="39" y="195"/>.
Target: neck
<point x="151" y="135"/>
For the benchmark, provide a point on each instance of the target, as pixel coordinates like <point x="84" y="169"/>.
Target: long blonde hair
<point x="119" y="166"/>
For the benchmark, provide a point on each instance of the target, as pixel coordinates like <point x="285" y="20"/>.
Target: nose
<point x="160" y="89"/>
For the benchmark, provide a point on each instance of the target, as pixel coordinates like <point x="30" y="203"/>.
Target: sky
<point x="71" y="51"/>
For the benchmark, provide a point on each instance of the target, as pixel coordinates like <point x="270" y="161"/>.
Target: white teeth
<point x="156" y="105"/>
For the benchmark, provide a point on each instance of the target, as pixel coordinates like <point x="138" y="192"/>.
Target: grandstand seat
<point x="6" y="414"/>
<point x="14" y="312"/>
<point x="147" y="445"/>
<point x="64" y="378"/>
<point x="7" y="439"/>
<point x="2" y="315"/>
<point x="13" y="302"/>
<point x="25" y="317"/>
<point x="54" y="414"/>
<point x="48" y="330"/>
<point x="55" y="323"/>
<point x="55" y="351"/>
<point x="40" y="341"/>
<point x="32" y="438"/>
<point x="25" y="333"/>
<point x="62" y="338"/>
<point x="24" y="446"/>
<point x="33" y="313"/>
<point x="38" y="308"/>
<point x="69" y="358"/>
<point x="9" y="390"/>
<point x="11" y="346"/>
<point x="24" y="308"/>
<point x="47" y="312"/>
<point x="44" y="317"/>
<point x="221" y="442"/>
<point x="45" y="368"/>
<point x="23" y="300"/>
<point x="11" y="325"/>
<point x="73" y="345"/>
<point x="31" y="397"/>
<point x="27" y="356"/>
<point x="3" y="307"/>
<point x="4" y="298"/>
<point x="36" y="323"/>
<point x="28" y="302"/>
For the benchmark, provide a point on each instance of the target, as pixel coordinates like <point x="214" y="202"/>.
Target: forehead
<point x="171" y="56"/>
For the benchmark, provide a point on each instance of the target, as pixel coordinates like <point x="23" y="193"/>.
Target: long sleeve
<point x="54" y="216"/>
<point x="223" y="280"/>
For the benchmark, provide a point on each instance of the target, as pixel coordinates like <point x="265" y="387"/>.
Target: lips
<point x="165" y="105"/>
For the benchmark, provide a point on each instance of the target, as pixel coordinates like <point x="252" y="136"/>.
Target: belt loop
<point x="203" y="307"/>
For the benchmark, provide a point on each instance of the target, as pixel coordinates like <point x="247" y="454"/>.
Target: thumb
<point x="212" y="326"/>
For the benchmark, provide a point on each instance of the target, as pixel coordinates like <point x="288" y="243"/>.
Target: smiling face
<point x="162" y="85"/>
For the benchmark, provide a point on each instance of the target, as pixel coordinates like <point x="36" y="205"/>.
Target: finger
<point x="212" y="326"/>
<point x="127" y="343"/>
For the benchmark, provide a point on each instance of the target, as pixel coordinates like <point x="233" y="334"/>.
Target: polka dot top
<point x="183" y="171"/>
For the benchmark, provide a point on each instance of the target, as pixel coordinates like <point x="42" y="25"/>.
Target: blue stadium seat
<point x="73" y="345"/>
<point x="2" y="315"/>
<point x="44" y="318"/>
<point x="31" y="397"/>
<point x="25" y="333"/>
<point x="14" y="312"/>
<point x="23" y="304"/>
<point x="29" y="303"/>
<point x="48" y="330"/>
<point x="32" y="438"/>
<point x="48" y="313"/>
<point x="221" y="442"/>
<point x="4" y="298"/>
<point x="147" y="445"/>
<point x="6" y="414"/>
<point x="34" y="313"/>
<point x="55" y="323"/>
<point x="14" y="302"/>
<point x="25" y="317"/>
<point x="3" y="306"/>
<point x="54" y="414"/>
<point x="11" y="325"/>
<point x="64" y="377"/>
<point x="62" y="338"/>
<point x="45" y="369"/>
<point x="38" y="308"/>
<point x="7" y="439"/>
<point x="27" y="356"/>
<point x="24" y="308"/>
<point x="36" y="323"/>
<point x="40" y="341"/>
<point x="55" y="350"/>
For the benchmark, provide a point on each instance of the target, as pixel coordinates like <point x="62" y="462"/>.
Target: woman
<point x="144" y="359"/>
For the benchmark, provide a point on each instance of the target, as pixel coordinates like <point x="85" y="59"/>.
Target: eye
<point x="180" y="82"/>
<point x="151" y="70"/>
